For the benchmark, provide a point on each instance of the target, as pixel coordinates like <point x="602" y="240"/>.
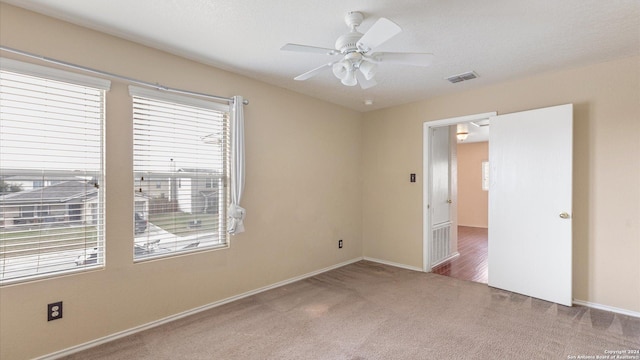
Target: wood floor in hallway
<point x="472" y="263"/>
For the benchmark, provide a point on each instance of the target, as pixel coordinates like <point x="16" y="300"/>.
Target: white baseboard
<point x="606" y="308"/>
<point x="450" y="257"/>
<point x="137" y="329"/>
<point x="391" y="263"/>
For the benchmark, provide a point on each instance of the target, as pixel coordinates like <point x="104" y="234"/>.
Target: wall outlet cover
<point x="54" y="311"/>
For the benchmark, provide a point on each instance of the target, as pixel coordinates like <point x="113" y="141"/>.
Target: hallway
<point x="472" y="263"/>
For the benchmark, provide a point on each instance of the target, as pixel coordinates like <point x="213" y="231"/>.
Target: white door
<point x="530" y="160"/>
<point x="440" y="205"/>
<point x="440" y="176"/>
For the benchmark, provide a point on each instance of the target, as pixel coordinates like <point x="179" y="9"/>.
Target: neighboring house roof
<point x="61" y="192"/>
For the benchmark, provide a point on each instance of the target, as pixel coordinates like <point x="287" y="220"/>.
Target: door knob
<point x="564" y="215"/>
<point x="449" y="201"/>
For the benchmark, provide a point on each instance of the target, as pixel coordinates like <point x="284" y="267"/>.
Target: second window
<point x="181" y="167"/>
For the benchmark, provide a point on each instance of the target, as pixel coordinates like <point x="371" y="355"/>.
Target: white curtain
<point x="236" y="213"/>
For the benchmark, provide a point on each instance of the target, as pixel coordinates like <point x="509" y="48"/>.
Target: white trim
<point x="53" y="74"/>
<point x="459" y="119"/>
<point x="450" y="257"/>
<point x="426" y="171"/>
<point x="118" y="77"/>
<point x="394" y="264"/>
<point x="606" y="308"/>
<point x="180" y="99"/>
<point x="168" y="319"/>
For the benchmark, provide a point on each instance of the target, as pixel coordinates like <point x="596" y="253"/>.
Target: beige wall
<point x="317" y="173"/>
<point x="606" y="189"/>
<point x="302" y="194"/>
<point x="473" y="202"/>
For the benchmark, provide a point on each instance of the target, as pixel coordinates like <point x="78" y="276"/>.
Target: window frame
<point x="223" y="178"/>
<point x="43" y="211"/>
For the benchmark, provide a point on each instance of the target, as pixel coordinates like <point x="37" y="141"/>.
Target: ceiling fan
<point x="358" y="63"/>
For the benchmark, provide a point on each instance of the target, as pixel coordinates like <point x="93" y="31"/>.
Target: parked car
<point x="139" y="250"/>
<point x="140" y="223"/>
<point x="91" y="256"/>
<point x="148" y="249"/>
<point x="88" y="258"/>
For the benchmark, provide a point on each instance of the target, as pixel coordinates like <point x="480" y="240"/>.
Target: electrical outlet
<point x="54" y="311"/>
<point x="339" y="244"/>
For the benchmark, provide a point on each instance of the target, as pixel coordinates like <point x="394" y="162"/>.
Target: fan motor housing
<point x="347" y="42"/>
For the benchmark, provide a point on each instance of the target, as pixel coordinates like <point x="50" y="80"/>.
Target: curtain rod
<point x="119" y="77"/>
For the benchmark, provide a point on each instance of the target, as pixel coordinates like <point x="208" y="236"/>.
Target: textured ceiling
<point x="498" y="39"/>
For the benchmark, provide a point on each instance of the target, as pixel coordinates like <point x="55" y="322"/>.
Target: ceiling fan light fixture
<point x="340" y="69"/>
<point x="368" y="69"/>
<point x="350" y="78"/>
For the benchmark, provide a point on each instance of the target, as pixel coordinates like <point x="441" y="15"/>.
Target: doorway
<point x="467" y="253"/>
<point x="472" y="154"/>
<point x="530" y="204"/>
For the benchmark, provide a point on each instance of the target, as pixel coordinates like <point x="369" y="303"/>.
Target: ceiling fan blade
<point x="414" y="59"/>
<point x="383" y="30"/>
<point x="364" y="83"/>
<point x="314" y="72"/>
<point x="309" y="49"/>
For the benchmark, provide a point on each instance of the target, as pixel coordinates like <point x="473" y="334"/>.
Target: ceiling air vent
<point x="462" y="77"/>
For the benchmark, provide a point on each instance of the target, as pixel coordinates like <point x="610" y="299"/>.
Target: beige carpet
<point x="372" y="311"/>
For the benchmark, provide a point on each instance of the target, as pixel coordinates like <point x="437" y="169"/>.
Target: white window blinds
<point x="51" y="171"/>
<point x="181" y="169"/>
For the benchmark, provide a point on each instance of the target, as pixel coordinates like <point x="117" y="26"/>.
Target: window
<point x="43" y="210"/>
<point x="485" y="175"/>
<point x="51" y="169"/>
<point x="26" y="212"/>
<point x="182" y="144"/>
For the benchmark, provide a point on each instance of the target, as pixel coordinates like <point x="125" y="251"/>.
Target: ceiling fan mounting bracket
<point x="353" y="19"/>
